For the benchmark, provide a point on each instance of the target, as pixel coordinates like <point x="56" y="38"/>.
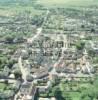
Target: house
<point x="41" y="73"/>
<point x="27" y="92"/>
<point x="19" y="40"/>
<point x="53" y="98"/>
<point x="44" y="89"/>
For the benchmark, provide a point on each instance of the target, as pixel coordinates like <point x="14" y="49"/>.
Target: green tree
<point x="80" y="45"/>
<point x="9" y="38"/>
<point x="57" y="93"/>
<point x="18" y="74"/>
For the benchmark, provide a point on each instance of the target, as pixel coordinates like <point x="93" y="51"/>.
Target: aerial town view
<point x="48" y="49"/>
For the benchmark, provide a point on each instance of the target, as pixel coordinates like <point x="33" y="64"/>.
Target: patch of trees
<point x="39" y="7"/>
<point x="3" y="62"/>
<point x="37" y="20"/>
<point x="9" y="39"/>
<point x="92" y="53"/>
<point x="80" y="45"/>
<point x="18" y="74"/>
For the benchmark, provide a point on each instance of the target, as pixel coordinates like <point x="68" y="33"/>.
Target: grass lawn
<point x="75" y="95"/>
<point x="2" y="86"/>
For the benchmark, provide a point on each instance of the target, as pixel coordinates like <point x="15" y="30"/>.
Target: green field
<point x="66" y="3"/>
<point x="2" y="86"/>
<point x="8" y="11"/>
<point x="12" y="9"/>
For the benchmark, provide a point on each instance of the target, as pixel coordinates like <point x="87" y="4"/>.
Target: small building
<point x="53" y="98"/>
<point x="27" y="92"/>
<point x="41" y="73"/>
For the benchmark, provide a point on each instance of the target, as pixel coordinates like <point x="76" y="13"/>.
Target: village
<point x="50" y="56"/>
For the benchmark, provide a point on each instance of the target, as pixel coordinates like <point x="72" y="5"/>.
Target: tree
<point x="6" y="82"/>
<point x="29" y="51"/>
<point x="80" y="45"/>
<point x="92" y="53"/>
<point x="57" y="93"/>
<point x="10" y="63"/>
<point x="18" y="74"/>
<point x="82" y="26"/>
<point x="9" y="38"/>
<point x="92" y="30"/>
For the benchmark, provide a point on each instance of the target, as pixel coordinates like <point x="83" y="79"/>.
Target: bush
<point x="80" y="45"/>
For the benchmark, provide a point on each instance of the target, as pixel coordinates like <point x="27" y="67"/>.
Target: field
<point x="19" y="7"/>
<point x="67" y="3"/>
<point x="7" y="11"/>
<point x="2" y="86"/>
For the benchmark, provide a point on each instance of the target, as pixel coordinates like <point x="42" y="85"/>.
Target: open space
<point x="67" y="3"/>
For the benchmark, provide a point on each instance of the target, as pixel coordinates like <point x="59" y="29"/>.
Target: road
<point x="61" y="58"/>
<point x="24" y="74"/>
<point x="38" y="33"/>
<point x="87" y="64"/>
<point x="39" y="30"/>
<point x="24" y="71"/>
